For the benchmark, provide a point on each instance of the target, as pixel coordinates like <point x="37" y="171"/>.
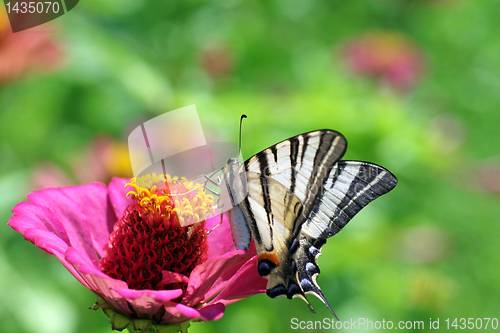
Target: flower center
<point x="163" y="229"/>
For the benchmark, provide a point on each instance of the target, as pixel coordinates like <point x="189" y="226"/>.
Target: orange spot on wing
<point x="271" y="256"/>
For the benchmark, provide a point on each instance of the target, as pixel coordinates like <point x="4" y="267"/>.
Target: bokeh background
<point x="414" y="85"/>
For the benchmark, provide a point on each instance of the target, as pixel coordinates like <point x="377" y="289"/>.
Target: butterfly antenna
<point x="241" y="122"/>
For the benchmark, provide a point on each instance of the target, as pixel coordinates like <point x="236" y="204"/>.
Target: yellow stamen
<point x="189" y="211"/>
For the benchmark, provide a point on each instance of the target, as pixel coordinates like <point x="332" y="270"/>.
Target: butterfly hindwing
<point x="272" y="210"/>
<point x="350" y="186"/>
<point x="306" y="258"/>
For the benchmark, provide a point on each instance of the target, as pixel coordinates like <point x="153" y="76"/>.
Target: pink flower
<point x="33" y="50"/>
<point x="104" y="158"/>
<point x="75" y="223"/>
<point x="217" y="60"/>
<point x="487" y="176"/>
<point x="390" y="57"/>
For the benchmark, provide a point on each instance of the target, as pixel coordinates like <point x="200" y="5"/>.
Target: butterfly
<point x="290" y="198"/>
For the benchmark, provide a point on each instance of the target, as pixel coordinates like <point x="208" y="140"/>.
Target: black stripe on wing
<point x="266" y="199"/>
<point x="302" y="164"/>
<point x="331" y="148"/>
<point x="305" y="144"/>
<point x="351" y="185"/>
<point x="294" y="150"/>
<point x="251" y="220"/>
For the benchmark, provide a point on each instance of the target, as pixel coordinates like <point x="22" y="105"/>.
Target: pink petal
<point x="246" y="282"/>
<point x="98" y="282"/>
<point x="71" y="216"/>
<point x="117" y="195"/>
<point x="209" y="312"/>
<point x="93" y="198"/>
<point x="209" y="278"/>
<point x="172" y="277"/>
<point x="28" y="215"/>
<point x="52" y="244"/>
<point x="156" y="295"/>
<point x="187" y="311"/>
<point x="220" y="240"/>
<point x="147" y="303"/>
<point x="212" y="312"/>
<point x="174" y="316"/>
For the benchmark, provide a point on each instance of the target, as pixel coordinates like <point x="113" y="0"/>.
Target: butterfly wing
<point x="284" y="182"/>
<point x="257" y="206"/>
<point x="299" y="194"/>
<point x="271" y="211"/>
<point x="350" y="186"/>
<point x="268" y="212"/>
<point x="301" y="164"/>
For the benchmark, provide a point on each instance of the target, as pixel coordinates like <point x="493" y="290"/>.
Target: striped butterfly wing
<point x="284" y="182"/>
<point x="302" y="165"/>
<point x="272" y="210"/>
<point x="350" y="186"/>
<point x="296" y="195"/>
<point x="247" y="216"/>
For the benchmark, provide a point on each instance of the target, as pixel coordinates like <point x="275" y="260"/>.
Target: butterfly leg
<point x="216" y="182"/>
<point x="195" y="188"/>
<point x="208" y="178"/>
<point x="211" y="191"/>
<point x="221" y="220"/>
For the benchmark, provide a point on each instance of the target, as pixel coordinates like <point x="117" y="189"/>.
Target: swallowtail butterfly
<point x="293" y="196"/>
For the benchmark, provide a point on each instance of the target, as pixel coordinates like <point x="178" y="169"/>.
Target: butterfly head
<point x="233" y="167"/>
<point x="233" y="163"/>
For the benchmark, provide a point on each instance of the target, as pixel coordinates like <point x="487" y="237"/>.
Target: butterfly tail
<point x="308" y="269"/>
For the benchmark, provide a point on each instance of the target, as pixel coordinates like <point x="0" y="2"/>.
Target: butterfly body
<point x="290" y="198"/>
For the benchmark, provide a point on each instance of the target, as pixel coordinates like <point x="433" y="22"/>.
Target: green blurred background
<point x="413" y="85"/>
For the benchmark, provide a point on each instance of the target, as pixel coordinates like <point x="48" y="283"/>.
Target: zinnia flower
<point x="34" y="50"/>
<point x="146" y="253"/>
<point x="486" y="175"/>
<point x="104" y="158"/>
<point x="390" y="57"/>
<point x="217" y="60"/>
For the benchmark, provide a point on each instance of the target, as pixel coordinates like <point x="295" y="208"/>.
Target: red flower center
<point x="161" y="230"/>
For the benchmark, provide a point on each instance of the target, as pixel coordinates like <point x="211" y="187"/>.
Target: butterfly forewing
<point x="274" y="208"/>
<point x="302" y="164"/>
